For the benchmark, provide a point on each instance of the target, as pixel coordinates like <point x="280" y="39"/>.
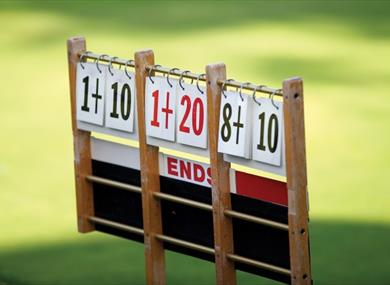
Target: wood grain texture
<point x="294" y="128"/>
<point x="150" y="180"/>
<point x="223" y="228"/>
<point x="82" y="144"/>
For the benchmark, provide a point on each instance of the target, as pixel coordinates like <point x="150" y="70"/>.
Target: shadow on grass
<point x="342" y="253"/>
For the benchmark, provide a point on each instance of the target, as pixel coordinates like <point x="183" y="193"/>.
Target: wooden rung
<point x="262" y="265"/>
<point x="115" y="184"/>
<point x="188" y="202"/>
<point x="193" y="246"/>
<point x="186" y="244"/>
<point x="183" y="201"/>
<point x="257" y="220"/>
<point x="115" y="225"/>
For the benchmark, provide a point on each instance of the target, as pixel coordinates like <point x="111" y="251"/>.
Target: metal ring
<point x="271" y="96"/>
<point x="254" y="94"/>
<point x="81" y="58"/>
<point x="223" y="87"/>
<point x="197" y="82"/>
<point x="181" y="79"/>
<point x="97" y="62"/>
<point x="110" y="65"/>
<point x="242" y="84"/>
<point x="169" y="73"/>
<point x="151" y="70"/>
<point x="129" y="61"/>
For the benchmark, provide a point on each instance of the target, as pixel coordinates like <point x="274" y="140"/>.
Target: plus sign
<point x="167" y="111"/>
<point x="238" y="124"/>
<point x="96" y="95"/>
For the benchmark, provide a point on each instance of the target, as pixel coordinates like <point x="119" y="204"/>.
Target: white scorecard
<point x="267" y="131"/>
<point x="120" y="100"/>
<point x="234" y="124"/>
<point x="191" y="115"/>
<point x="160" y="108"/>
<point x="90" y="85"/>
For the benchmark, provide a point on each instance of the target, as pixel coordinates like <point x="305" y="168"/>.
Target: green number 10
<point x="272" y="140"/>
<point x="125" y="101"/>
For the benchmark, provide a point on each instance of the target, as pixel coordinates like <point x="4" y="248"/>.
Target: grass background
<point x="340" y="48"/>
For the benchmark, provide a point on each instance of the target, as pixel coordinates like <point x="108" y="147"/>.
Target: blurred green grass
<point x="341" y="49"/>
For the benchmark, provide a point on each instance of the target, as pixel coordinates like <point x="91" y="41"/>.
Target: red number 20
<point x="197" y="115"/>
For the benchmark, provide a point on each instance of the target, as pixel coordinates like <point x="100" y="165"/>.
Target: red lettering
<point x="172" y="166"/>
<point x="187" y="101"/>
<point x="167" y="111"/>
<point x="209" y="175"/>
<point x="154" y="122"/>
<point x="199" y="173"/>
<point x="197" y="109"/>
<point x="185" y="169"/>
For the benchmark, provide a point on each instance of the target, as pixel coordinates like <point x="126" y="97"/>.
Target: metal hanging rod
<point x="259" y="264"/>
<point x="176" y="71"/>
<point x="107" y="58"/>
<point x="190" y="245"/>
<point x="182" y="73"/>
<point x="250" y="87"/>
<point x="202" y="77"/>
<point x="188" y="202"/>
<point x="257" y="220"/>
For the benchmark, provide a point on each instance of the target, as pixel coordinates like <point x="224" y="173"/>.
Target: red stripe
<point x="261" y="188"/>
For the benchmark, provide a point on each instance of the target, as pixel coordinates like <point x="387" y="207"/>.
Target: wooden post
<point x="223" y="228"/>
<point x="294" y="128"/>
<point x="150" y="180"/>
<point x="82" y="144"/>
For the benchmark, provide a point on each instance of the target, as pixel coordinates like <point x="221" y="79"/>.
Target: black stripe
<point x="251" y="240"/>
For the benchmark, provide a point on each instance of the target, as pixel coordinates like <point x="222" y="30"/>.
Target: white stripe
<point x="128" y="156"/>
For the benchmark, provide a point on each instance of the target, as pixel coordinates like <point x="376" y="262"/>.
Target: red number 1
<point x="166" y="110"/>
<point x="155" y="122"/>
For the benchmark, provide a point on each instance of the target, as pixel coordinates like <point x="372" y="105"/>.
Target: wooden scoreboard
<point x="191" y="183"/>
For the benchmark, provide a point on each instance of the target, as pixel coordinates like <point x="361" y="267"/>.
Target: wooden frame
<point x="223" y="250"/>
<point x="150" y="180"/>
<point x="298" y="216"/>
<point x="82" y="144"/>
<point x="223" y="226"/>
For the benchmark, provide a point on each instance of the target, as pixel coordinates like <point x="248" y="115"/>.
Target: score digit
<point x="120" y="100"/>
<point x="234" y="124"/>
<point x="160" y="111"/>
<point x="90" y="84"/>
<point x="192" y="116"/>
<point x="267" y="131"/>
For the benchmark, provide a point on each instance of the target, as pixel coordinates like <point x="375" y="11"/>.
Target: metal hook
<point x="110" y="65"/>
<point x="223" y="86"/>
<point x="169" y="73"/>
<point x="181" y="79"/>
<point x="151" y="70"/>
<point x="254" y="94"/>
<point x="271" y="96"/>
<point x="197" y="82"/>
<point x="129" y="61"/>
<point x="242" y="84"/>
<point x="81" y="58"/>
<point x="97" y="62"/>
